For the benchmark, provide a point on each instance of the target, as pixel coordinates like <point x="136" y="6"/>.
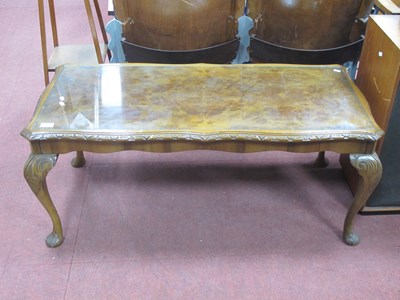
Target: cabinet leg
<point x="369" y="167"/>
<point x="35" y="171"/>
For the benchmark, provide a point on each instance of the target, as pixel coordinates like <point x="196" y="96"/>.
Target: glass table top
<point x="201" y="99"/>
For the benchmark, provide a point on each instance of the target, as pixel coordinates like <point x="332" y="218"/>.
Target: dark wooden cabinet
<point x="378" y="78"/>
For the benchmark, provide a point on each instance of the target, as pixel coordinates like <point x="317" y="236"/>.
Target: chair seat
<point x="75" y="54"/>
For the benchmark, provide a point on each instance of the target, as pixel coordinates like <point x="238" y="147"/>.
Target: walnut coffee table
<point x="235" y="108"/>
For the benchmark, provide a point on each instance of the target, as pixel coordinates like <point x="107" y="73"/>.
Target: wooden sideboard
<point x="378" y="78"/>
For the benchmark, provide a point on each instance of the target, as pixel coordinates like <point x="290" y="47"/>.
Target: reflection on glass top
<point x="202" y="99"/>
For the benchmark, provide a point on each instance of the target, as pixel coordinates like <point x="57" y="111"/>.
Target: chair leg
<point x="43" y="41"/>
<point x="53" y="23"/>
<point x="94" y="32"/>
<point x="102" y="26"/>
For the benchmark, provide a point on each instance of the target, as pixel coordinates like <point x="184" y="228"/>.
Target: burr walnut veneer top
<point x="200" y="102"/>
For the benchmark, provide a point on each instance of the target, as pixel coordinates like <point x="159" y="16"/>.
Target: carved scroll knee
<point x="369" y="168"/>
<point x="35" y="171"/>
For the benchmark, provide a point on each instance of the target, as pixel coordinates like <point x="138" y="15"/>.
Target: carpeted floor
<point x="193" y="225"/>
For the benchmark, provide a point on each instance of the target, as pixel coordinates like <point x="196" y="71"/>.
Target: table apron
<point x="166" y="146"/>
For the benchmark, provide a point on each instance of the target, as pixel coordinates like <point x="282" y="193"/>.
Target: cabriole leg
<point x="35" y="171"/>
<point x="369" y="168"/>
<point x="79" y="160"/>
<point x="321" y="161"/>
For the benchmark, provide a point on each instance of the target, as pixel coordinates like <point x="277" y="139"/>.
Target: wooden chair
<point x="301" y="32"/>
<point x="78" y="54"/>
<point x="178" y="31"/>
